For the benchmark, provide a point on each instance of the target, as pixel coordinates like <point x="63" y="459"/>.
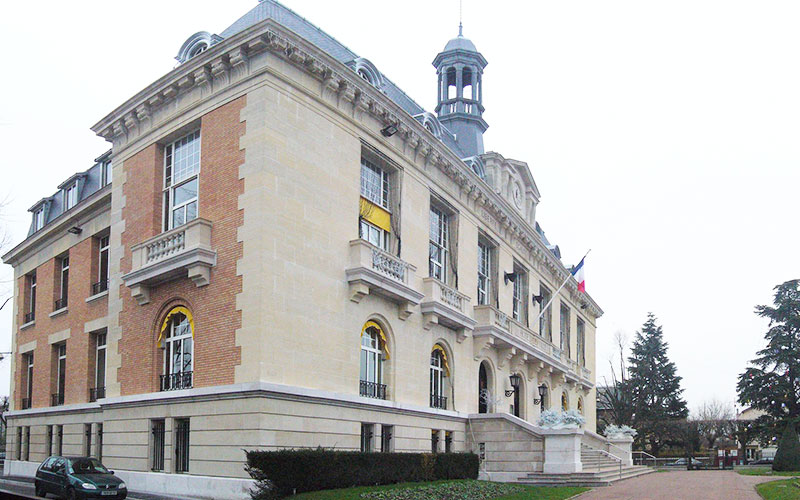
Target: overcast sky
<point x="662" y="135"/>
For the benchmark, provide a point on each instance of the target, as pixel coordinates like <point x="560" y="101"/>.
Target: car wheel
<point x="39" y="489"/>
<point x="72" y="494"/>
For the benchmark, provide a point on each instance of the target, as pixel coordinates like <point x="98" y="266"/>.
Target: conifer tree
<point x="773" y="383"/>
<point x="654" y="388"/>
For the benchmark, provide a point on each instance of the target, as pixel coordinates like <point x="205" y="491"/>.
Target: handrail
<point x="604" y="452"/>
<point x="644" y="453"/>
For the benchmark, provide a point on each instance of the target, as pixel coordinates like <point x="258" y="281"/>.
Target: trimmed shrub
<point x="788" y="455"/>
<point x="283" y="472"/>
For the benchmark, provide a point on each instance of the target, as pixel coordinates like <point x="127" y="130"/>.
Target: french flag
<point x="577" y="273"/>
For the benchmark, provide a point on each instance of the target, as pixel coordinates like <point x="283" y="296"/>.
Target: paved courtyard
<point x="682" y="485"/>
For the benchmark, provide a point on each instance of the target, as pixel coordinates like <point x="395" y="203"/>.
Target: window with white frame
<point x="374" y="184"/>
<point x="71" y="196"/>
<point x="484" y="273"/>
<point x="105" y="173"/>
<point x="437" y="264"/>
<point x="102" y="265"/>
<point x="38" y="219"/>
<point x="27" y="360"/>
<point x="371" y="371"/>
<point x="437" y="377"/>
<point x="373" y="234"/>
<point x="178" y="354"/>
<point x="181" y="170"/>
<point x="564" y="324"/>
<point x="520" y="297"/>
<point x="61" y="374"/>
<point x="30" y="312"/>
<point x="100" y="366"/>
<point x="545" y="319"/>
<point x="63" y="283"/>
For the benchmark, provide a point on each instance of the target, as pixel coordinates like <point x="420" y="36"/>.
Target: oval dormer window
<point x="363" y="74"/>
<point x="197" y="49"/>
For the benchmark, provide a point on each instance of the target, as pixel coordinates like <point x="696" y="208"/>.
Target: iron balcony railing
<point x="96" y="393"/>
<point x="26" y="403"/>
<point x="438" y="402"/>
<point x="176" y="381"/>
<point x="372" y="390"/>
<point x="99" y="287"/>
<point x="57" y="399"/>
<point x="29" y="317"/>
<point x="60" y="303"/>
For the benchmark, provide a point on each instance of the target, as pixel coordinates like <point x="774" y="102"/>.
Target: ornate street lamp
<point x="514" y="384"/>
<point x="542" y="391"/>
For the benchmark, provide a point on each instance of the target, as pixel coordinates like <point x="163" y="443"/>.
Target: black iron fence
<point x="372" y="390"/>
<point x="99" y="287"/>
<point x="438" y="402"/>
<point x="175" y="381"/>
<point x="57" y="399"/>
<point x="60" y="303"/>
<point x="96" y="393"/>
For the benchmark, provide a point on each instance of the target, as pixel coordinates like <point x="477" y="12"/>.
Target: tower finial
<point x="460" y="16"/>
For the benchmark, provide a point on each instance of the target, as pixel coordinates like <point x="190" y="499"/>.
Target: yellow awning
<point x="381" y="334"/>
<point x="170" y="314"/>
<point x="439" y="348"/>
<point x="374" y="214"/>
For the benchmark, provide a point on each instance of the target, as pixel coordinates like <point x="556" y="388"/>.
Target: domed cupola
<point x="459" y="106"/>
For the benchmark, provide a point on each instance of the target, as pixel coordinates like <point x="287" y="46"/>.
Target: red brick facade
<point x="213" y="306"/>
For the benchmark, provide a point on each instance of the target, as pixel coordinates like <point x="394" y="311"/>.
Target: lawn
<point x="788" y="489"/>
<point x="444" y="490"/>
<point x="767" y="472"/>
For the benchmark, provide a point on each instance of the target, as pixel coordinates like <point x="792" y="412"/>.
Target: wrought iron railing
<point x="60" y="303"/>
<point x="26" y="403"/>
<point x="29" y="317"/>
<point x="438" y="402"/>
<point x="96" y="393"/>
<point x="372" y="390"/>
<point x="99" y="287"/>
<point x="57" y="399"/>
<point x="176" y="381"/>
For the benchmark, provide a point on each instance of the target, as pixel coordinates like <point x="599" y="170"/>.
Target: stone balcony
<point x="373" y="271"/>
<point x="445" y="306"/>
<point x="496" y="330"/>
<point x="183" y="252"/>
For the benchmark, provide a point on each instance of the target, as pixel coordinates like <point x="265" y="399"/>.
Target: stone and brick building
<point x="283" y="249"/>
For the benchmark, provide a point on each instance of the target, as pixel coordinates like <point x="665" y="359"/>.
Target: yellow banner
<point x="439" y="348"/>
<point x="377" y="327"/>
<point x="375" y="215"/>
<point x="170" y="314"/>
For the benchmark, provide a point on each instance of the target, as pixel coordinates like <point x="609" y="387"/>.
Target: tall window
<point x="87" y="440"/>
<point x="581" y="342"/>
<point x="49" y="442"/>
<point x="63" y="283"/>
<point x="366" y="437"/>
<point x="565" y="340"/>
<point x="437" y="379"/>
<point x="387" y="431"/>
<point x="181" y="445"/>
<point x="59" y="440"/>
<point x="99" y="390"/>
<point x="102" y="266"/>
<point x="157" y="435"/>
<point x="30" y="283"/>
<point x="181" y="169"/>
<point x="61" y="374"/>
<point x="437" y="267"/>
<point x="71" y="196"/>
<point x="105" y="173"/>
<point x="484" y="273"/>
<point x="520" y="306"/>
<point x="27" y="362"/>
<point x="38" y="219"/>
<point x="99" y="453"/>
<point x="178" y="354"/>
<point x="546" y="319"/>
<point x="374" y="184"/>
<point x="26" y="454"/>
<point x="371" y="365"/>
<point x="374" y="223"/>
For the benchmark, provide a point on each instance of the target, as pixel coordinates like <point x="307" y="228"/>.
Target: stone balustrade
<point x="446" y="306"/>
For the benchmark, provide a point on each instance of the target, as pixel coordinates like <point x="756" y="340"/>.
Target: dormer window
<point x="363" y="74"/>
<point x="197" y="49"/>
<point x="71" y="196"/>
<point x="105" y="173"/>
<point x="38" y="219"/>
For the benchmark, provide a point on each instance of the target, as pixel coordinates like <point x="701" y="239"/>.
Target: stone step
<point x="583" y="479"/>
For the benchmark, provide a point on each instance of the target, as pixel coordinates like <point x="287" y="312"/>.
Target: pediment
<point x="512" y="179"/>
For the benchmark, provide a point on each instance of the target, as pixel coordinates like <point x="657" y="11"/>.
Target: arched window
<point x="564" y="402"/>
<point x="200" y="47"/>
<point x="580" y="405"/>
<point x="373" y="352"/>
<point x="483" y="389"/>
<point x="177" y="339"/>
<point x="439" y="372"/>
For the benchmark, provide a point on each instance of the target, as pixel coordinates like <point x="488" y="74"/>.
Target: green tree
<point x="772" y="384"/>
<point x="654" y="389"/>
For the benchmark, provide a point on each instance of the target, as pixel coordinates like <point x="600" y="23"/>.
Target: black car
<point x="77" y="478"/>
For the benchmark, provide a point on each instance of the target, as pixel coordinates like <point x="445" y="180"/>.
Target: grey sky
<point x="663" y="135"/>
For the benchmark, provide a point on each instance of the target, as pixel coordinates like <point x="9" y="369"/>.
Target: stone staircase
<point x="598" y="470"/>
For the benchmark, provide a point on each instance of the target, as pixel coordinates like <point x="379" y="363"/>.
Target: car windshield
<point x="87" y="466"/>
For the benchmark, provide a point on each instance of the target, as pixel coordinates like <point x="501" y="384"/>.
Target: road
<point x="25" y="489"/>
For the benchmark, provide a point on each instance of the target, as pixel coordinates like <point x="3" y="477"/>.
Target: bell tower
<point x="459" y="104"/>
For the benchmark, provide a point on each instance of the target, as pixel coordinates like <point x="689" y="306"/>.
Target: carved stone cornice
<point x="213" y="67"/>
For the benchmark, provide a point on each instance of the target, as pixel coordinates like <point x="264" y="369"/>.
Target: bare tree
<point x="714" y="419"/>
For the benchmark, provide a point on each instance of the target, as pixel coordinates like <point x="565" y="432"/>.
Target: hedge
<point x="283" y="472"/>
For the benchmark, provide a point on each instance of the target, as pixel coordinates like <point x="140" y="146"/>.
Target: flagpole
<point x="543" y="309"/>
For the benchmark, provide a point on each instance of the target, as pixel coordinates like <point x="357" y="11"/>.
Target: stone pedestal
<point x="622" y="447"/>
<point x="562" y="451"/>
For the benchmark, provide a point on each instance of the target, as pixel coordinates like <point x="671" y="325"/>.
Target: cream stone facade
<point x="282" y="287"/>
